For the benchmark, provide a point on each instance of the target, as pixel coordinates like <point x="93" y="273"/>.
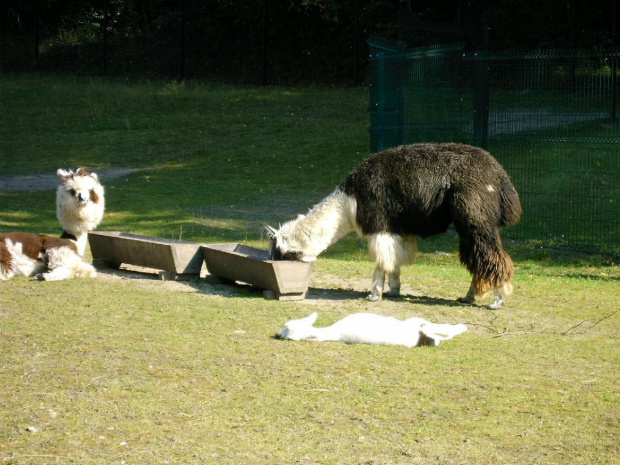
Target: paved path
<point x="50" y="181"/>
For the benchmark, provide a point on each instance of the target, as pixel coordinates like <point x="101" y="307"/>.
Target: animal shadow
<point x="317" y="294"/>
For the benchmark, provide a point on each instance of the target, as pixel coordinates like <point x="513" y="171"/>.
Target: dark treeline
<point x="276" y="41"/>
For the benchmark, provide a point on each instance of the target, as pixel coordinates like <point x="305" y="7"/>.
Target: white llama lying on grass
<point x="368" y="328"/>
<point x="79" y="207"/>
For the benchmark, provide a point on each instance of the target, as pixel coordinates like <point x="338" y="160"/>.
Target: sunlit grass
<point x="136" y="371"/>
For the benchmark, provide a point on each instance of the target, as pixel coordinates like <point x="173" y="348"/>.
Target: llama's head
<point x="298" y="330"/>
<point x="79" y="201"/>
<point x="286" y="243"/>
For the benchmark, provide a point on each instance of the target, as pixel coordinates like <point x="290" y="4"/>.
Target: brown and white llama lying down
<point x="368" y="328"/>
<point x="409" y="191"/>
<point x="79" y="208"/>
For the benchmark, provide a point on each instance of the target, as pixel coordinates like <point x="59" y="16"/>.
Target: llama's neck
<point x="330" y="333"/>
<point x="78" y="222"/>
<point x="80" y="239"/>
<point x="327" y="222"/>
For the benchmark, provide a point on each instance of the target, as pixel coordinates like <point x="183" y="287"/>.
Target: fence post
<point x="377" y="144"/>
<point x="400" y="101"/>
<point x="614" y="63"/>
<point x="36" y="36"/>
<point x="481" y="95"/>
<point x="355" y="46"/>
<point x="264" y="50"/>
<point x="182" y="58"/>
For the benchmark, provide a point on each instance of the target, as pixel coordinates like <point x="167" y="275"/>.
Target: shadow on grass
<point x="213" y="286"/>
<point x="350" y="294"/>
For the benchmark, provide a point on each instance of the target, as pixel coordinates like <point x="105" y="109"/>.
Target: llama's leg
<point x="64" y="263"/>
<point x="378" y="280"/>
<point x="471" y="294"/>
<point x="441" y="331"/>
<point x="394" y="283"/>
<point x="85" y="270"/>
<point x="405" y="255"/>
<point x="471" y="297"/>
<point x="390" y="252"/>
<point x="57" y="274"/>
<point x="482" y="253"/>
<point x="498" y="302"/>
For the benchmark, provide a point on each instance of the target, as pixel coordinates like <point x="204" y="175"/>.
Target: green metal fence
<point x="550" y="118"/>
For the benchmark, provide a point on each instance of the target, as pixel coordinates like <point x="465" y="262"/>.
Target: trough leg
<point x="378" y="280"/>
<point x="166" y="275"/>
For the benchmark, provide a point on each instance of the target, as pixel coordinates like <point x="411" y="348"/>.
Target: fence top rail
<point x="550" y="54"/>
<point x="414" y="52"/>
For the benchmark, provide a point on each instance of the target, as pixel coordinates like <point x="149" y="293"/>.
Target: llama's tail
<point x="511" y="209"/>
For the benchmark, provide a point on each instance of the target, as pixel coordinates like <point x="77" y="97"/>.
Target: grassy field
<point x="126" y="369"/>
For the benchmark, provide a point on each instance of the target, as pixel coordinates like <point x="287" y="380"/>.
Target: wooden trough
<point x="282" y="280"/>
<point x="177" y="260"/>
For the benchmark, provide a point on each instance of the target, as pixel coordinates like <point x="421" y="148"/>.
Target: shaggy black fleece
<point x="422" y="189"/>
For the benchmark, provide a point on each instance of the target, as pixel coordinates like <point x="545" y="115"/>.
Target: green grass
<point x="128" y="370"/>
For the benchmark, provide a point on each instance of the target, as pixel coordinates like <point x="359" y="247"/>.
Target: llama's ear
<point x="312" y="318"/>
<point x="81" y="171"/>
<point x="64" y="175"/>
<point x="270" y="232"/>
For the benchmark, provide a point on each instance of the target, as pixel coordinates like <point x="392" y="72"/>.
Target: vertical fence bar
<point x="264" y="57"/>
<point x="400" y="101"/>
<point x="36" y="35"/>
<point x="614" y="62"/>
<point x="355" y="44"/>
<point x="378" y="143"/>
<point x="481" y="95"/>
<point x="104" y="25"/>
<point x="182" y="58"/>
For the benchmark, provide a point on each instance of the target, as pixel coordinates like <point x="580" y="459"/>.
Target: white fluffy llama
<point x="368" y="328"/>
<point x="79" y="206"/>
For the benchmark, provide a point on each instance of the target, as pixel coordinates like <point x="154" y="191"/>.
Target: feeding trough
<point x="283" y="280"/>
<point x="176" y="259"/>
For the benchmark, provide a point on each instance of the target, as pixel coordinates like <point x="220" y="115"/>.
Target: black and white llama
<point x="79" y="207"/>
<point x="409" y="191"/>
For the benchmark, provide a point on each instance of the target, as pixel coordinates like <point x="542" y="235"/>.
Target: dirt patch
<point x="326" y="291"/>
<point x="43" y="182"/>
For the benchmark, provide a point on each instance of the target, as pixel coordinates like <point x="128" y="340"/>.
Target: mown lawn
<point x="128" y="369"/>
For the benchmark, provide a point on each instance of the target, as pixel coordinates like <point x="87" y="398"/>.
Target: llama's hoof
<point x="392" y="294"/>
<point x="373" y="298"/>
<point x="465" y="300"/>
<point x="496" y="305"/>
<point x="39" y="277"/>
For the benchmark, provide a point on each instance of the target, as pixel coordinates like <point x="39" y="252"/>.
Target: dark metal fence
<point x="550" y="117"/>
<point x="251" y="42"/>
